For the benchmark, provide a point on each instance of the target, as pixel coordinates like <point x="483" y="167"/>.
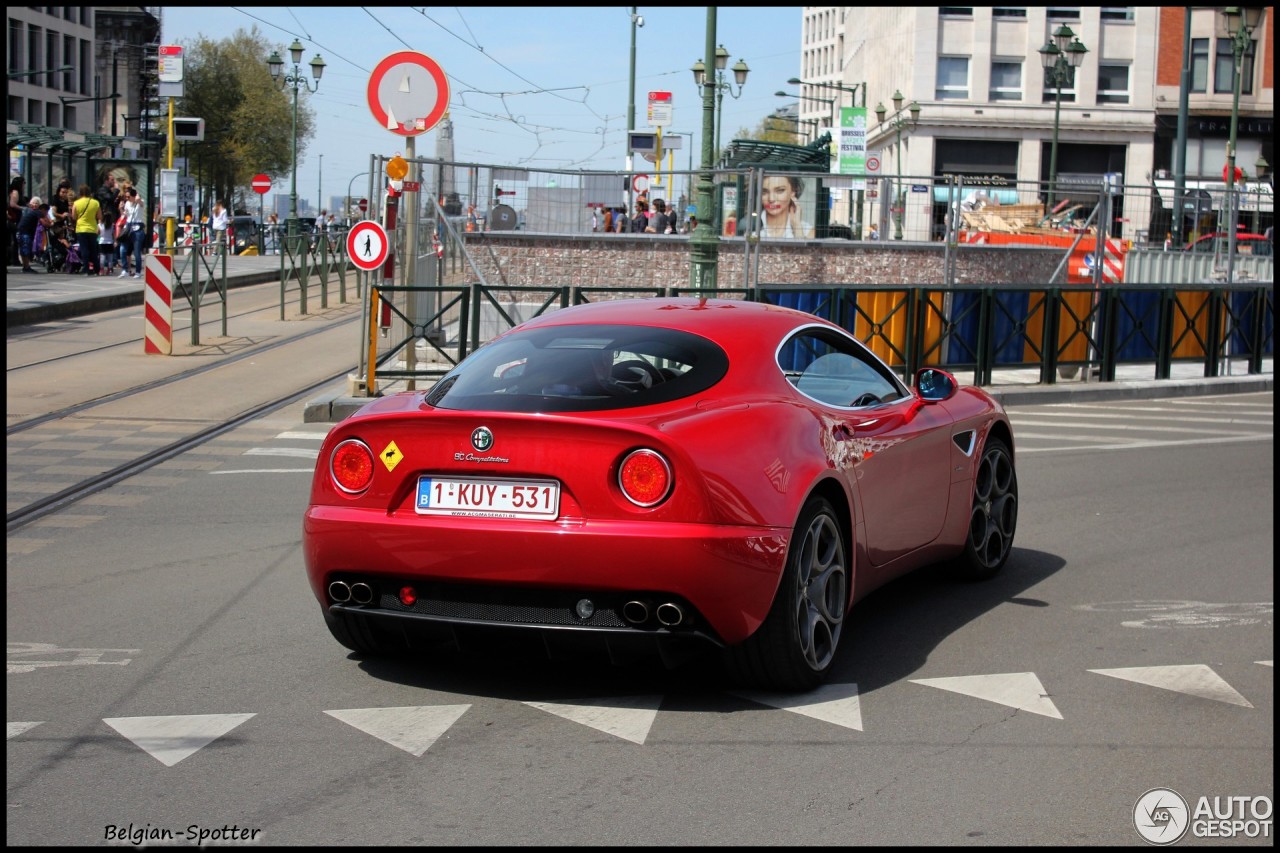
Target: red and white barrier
<point x="158" y="304"/>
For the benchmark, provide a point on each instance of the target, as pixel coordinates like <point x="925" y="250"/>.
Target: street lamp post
<point x="1060" y="57"/>
<point x="899" y="123"/>
<point x="855" y="225"/>
<point x="721" y="85"/>
<point x="830" y="102"/>
<point x="347" y="212"/>
<point x="704" y="242"/>
<point x="295" y="81"/>
<point x="1239" y="23"/>
<point x="637" y="21"/>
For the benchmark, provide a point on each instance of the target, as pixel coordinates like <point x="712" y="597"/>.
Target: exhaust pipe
<point x="636" y="612"/>
<point x="340" y="592"/>
<point x="670" y="614"/>
<point x="361" y="593"/>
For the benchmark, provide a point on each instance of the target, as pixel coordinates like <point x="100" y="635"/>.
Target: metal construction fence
<point x="916" y="208"/>
<point x="970" y="330"/>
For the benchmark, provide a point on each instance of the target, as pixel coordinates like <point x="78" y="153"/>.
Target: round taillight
<point x="408" y="595"/>
<point x="645" y="477"/>
<point x="351" y="466"/>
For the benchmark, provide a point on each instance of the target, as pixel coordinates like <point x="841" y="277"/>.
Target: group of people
<point x="91" y="234"/>
<point x="645" y="219"/>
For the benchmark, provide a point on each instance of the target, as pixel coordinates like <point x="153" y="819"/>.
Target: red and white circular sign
<point x="363" y="204"/>
<point x="408" y="93"/>
<point x="367" y="245"/>
<point x="261" y="184"/>
<point x="873" y="165"/>
<point x="640" y="183"/>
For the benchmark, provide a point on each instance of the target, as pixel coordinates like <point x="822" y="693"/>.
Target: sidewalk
<point x="44" y="297"/>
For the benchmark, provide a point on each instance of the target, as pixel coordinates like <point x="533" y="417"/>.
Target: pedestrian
<point x="107" y="240"/>
<point x="620" y="223"/>
<point x="273" y="233"/>
<point x="28" y="222"/>
<point x="608" y="220"/>
<point x="595" y="221"/>
<point x="132" y="234"/>
<point x="875" y="232"/>
<point x="108" y="195"/>
<point x="640" y="221"/>
<point x="657" y="222"/>
<point x="86" y="213"/>
<point x="219" y="223"/>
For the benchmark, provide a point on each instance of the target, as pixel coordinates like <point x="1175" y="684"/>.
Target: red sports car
<point x="664" y="471"/>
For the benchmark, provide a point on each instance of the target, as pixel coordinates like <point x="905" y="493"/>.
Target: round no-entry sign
<point x="363" y="204"/>
<point x="261" y="184"/>
<point x="367" y="245"/>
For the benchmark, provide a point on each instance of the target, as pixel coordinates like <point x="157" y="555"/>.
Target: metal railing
<point x="972" y="331"/>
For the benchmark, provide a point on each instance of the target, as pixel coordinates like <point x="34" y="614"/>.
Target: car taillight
<point x="351" y="466"/>
<point x="645" y="477"/>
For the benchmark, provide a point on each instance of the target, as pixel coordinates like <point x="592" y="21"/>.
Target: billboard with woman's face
<point x="787" y="206"/>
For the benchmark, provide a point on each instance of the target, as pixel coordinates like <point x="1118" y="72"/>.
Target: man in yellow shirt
<point x="86" y="213"/>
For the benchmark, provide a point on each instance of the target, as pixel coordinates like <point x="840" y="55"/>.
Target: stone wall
<point x="655" y="261"/>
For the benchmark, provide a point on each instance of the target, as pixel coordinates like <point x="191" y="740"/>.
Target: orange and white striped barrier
<point x="158" y="304"/>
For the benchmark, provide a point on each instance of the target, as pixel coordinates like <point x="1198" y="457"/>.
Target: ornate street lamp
<point x="899" y="123"/>
<point x="1061" y="57"/>
<point x="830" y="102"/>
<point x="295" y="81"/>
<point x="855" y="225"/>
<point x="720" y="84"/>
<point x="1238" y="22"/>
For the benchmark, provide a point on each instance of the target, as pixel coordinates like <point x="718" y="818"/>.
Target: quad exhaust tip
<point x="669" y="614"/>
<point x="342" y="592"/>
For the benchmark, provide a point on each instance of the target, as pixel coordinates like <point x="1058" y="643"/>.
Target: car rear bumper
<point x="495" y="572"/>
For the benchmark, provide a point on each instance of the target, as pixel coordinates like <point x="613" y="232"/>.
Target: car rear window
<point x="580" y="369"/>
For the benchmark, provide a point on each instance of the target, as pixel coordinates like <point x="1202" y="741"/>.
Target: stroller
<point x="72" y="262"/>
<point x="49" y="249"/>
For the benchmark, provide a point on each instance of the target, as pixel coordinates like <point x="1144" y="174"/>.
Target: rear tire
<point x="793" y="648"/>
<point x="993" y="519"/>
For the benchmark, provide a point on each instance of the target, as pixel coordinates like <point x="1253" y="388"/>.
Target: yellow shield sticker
<point x="391" y="456"/>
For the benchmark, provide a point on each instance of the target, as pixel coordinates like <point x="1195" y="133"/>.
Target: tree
<point x="248" y="117"/>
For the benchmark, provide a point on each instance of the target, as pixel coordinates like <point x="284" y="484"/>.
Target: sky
<point x="535" y="87"/>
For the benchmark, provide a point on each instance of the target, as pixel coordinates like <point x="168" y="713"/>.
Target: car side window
<point x="836" y="370"/>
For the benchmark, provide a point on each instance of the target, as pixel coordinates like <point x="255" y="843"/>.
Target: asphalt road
<point x="169" y="671"/>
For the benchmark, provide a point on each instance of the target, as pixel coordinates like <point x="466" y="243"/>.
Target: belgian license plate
<point x="489" y="498"/>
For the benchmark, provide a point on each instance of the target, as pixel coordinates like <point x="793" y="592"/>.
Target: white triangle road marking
<point x="413" y="729"/>
<point x="12" y="730"/>
<point x="830" y="703"/>
<point x="1021" y="690"/>
<point x="1269" y="663"/>
<point x="1194" y="679"/>
<point x="627" y="717"/>
<point x="171" y="739"/>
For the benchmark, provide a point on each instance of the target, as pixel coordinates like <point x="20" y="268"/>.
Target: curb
<point x="33" y="311"/>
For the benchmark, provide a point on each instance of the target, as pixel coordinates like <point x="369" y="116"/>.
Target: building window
<point x="1006" y="81"/>
<point x="1008" y="11"/>
<point x="955" y="11"/>
<point x="1113" y="84"/>
<point x="1059" y="13"/>
<point x="1117" y="13"/>
<point x="1224" y="79"/>
<point x="953" y="78"/>
<point x="1199" y="65"/>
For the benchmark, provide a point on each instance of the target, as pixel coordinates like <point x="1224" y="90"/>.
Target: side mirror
<point x="934" y="385"/>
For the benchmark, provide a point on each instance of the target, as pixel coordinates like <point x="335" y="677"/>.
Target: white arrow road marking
<point x="831" y="703"/>
<point x="1269" y="663"/>
<point x="1021" y="690"/>
<point x="627" y="717"/>
<point x="1195" y="679"/>
<point x="12" y="730"/>
<point x="171" y="739"/>
<point x="413" y="729"/>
